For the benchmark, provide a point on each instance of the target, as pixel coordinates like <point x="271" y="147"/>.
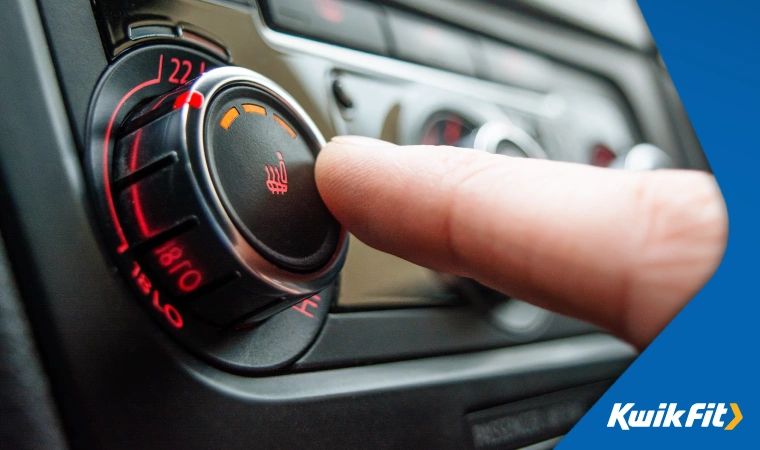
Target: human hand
<point x="624" y="250"/>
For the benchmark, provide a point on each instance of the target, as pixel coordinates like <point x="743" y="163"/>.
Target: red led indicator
<point x="452" y="132"/>
<point x="330" y="10"/>
<point x="194" y="99"/>
<point x="277" y="177"/>
<point x="602" y="156"/>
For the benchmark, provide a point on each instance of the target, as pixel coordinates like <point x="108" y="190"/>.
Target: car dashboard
<point x="128" y="351"/>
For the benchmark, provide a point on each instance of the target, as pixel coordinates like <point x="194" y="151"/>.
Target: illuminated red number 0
<point x="170" y="257"/>
<point x="169" y="311"/>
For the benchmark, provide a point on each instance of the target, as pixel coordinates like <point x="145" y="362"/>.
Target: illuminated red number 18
<point x="170" y="257"/>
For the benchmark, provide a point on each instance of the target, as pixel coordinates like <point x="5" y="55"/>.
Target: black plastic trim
<point x="370" y="337"/>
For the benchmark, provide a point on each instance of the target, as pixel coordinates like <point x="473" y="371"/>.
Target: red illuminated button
<point x="602" y="156"/>
<point x="262" y="165"/>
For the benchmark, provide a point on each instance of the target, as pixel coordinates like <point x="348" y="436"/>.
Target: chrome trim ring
<point x="490" y="135"/>
<point x="193" y="130"/>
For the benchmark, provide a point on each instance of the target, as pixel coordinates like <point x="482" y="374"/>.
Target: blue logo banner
<point x="700" y="375"/>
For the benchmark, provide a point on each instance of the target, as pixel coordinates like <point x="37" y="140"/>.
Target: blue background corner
<point x="709" y="352"/>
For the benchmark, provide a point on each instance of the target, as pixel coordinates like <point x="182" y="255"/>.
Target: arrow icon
<point x="737" y="417"/>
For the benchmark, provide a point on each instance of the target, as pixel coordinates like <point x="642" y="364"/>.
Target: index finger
<point x="621" y="249"/>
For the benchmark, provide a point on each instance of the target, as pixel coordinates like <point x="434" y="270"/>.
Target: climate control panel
<point x="204" y="178"/>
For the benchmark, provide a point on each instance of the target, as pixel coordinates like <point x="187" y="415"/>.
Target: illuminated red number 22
<point x="185" y="67"/>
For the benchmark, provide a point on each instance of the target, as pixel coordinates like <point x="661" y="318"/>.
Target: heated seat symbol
<point x="277" y="177"/>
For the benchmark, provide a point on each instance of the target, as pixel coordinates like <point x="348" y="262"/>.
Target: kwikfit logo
<point x="668" y="415"/>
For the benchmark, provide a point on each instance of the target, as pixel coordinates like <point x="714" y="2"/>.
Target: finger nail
<point x="360" y="141"/>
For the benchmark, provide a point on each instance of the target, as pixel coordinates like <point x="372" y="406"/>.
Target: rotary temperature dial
<point x="214" y="186"/>
<point x="203" y="178"/>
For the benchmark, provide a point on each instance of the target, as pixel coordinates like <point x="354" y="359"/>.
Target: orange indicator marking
<point x="229" y="117"/>
<point x="284" y="126"/>
<point x="254" y="109"/>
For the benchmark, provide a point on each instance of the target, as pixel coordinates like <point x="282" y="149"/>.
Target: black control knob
<point x="214" y="185"/>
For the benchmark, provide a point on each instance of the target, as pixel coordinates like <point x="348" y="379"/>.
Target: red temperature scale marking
<point x="171" y="257"/>
<point x="304" y="305"/>
<point x="139" y="216"/>
<point x="195" y="100"/>
<point x="142" y="281"/>
<point x="146" y="287"/>
<point x="123" y="246"/>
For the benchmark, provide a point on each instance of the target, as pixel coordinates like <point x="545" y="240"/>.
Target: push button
<point x="510" y="65"/>
<point x="432" y="44"/>
<point x="263" y="167"/>
<point x="345" y="22"/>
